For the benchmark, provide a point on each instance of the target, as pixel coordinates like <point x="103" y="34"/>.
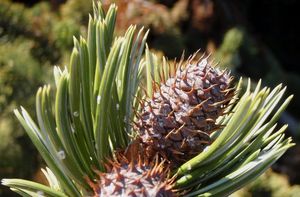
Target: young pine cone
<point x="179" y="118"/>
<point x="133" y="178"/>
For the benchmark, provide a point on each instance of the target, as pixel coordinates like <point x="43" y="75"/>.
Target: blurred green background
<point x="253" y="38"/>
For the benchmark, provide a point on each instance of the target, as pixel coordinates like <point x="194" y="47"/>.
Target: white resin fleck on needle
<point x="98" y="99"/>
<point x="76" y="113"/>
<point x="61" y="154"/>
<point x="189" y="167"/>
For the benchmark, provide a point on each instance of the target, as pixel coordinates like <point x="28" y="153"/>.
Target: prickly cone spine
<point x="179" y="118"/>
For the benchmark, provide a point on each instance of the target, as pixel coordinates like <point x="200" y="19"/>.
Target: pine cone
<point x="133" y="178"/>
<point x="179" y="118"/>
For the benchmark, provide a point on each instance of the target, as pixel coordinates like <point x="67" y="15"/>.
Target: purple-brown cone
<point x="177" y="121"/>
<point x="133" y="178"/>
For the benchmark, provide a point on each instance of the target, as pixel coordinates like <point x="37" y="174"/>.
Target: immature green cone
<point x="133" y="178"/>
<point x="177" y="121"/>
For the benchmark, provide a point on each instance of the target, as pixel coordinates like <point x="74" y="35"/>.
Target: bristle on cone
<point x="177" y="121"/>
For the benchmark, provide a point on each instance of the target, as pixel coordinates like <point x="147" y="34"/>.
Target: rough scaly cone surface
<point x="132" y="179"/>
<point x="177" y="121"/>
